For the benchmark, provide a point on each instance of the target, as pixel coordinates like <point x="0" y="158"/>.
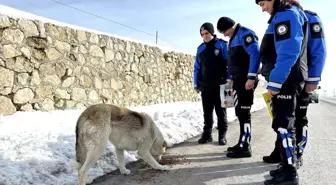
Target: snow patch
<point x="38" y="147"/>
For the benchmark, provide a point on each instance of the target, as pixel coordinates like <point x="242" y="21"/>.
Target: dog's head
<point x="158" y="148"/>
<point x="159" y="145"/>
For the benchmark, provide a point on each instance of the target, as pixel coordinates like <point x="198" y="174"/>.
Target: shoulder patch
<point x="282" y="31"/>
<point x="248" y="39"/>
<point x="316" y="30"/>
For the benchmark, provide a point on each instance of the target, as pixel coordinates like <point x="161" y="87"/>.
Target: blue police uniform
<point x="210" y="68"/>
<point x="244" y="64"/>
<point x="283" y="53"/>
<point x="210" y="71"/>
<point x="316" y="51"/>
<point x="316" y="55"/>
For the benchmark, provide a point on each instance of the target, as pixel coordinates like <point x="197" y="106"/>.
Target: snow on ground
<point x="37" y="147"/>
<point x="18" y="14"/>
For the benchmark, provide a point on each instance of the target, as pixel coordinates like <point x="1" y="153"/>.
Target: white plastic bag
<point x="227" y="97"/>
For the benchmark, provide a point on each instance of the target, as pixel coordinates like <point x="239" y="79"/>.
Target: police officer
<point x="316" y="60"/>
<point x="283" y="53"/>
<point x="243" y="66"/>
<point x="210" y="71"/>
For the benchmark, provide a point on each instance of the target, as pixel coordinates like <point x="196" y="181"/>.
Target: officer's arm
<point x="196" y="70"/>
<point x="288" y="36"/>
<point x="317" y="51"/>
<point x="252" y="48"/>
<point x="225" y="54"/>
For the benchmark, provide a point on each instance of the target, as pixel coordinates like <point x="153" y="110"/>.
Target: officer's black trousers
<point x="283" y="108"/>
<point x="211" y="100"/>
<point x="243" y="102"/>
<point x="301" y="123"/>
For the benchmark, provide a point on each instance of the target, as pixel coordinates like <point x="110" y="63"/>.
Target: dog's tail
<point x="80" y="154"/>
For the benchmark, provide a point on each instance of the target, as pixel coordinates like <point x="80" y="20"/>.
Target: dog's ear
<point x="164" y="146"/>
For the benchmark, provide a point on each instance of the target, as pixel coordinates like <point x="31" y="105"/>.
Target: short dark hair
<point x="285" y="4"/>
<point x="296" y="3"/>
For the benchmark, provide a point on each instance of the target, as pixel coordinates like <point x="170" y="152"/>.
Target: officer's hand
<point x="229" y="84"/>
<point x="249" y="84"/>
<point x="272" y="93"/>
<point x="310" y="87"/>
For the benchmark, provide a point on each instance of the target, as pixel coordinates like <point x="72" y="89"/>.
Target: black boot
<point x="222" y="141"/>
<point x="244" y="139"/>
<point x="205" y="138"/>
<point x="288" y="176"/>
<point x="278" y="171"/>
<point x="239" y="152"/>
<point x="275" y="156"/>
<point x="299" y="162"/>
<point x="282" y="180"/>
<point x="235" y="147"/>
<point x="222" y="138"/>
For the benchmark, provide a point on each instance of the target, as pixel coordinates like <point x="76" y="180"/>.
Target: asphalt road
<point x="195" y="164"/>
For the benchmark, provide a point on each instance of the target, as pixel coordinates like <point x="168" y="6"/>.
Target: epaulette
<point x="243" y="28"/>
<point x="200" y="45"/>
<point x="220" y="39"/>
<point x="310" y="12"/>
<point x="246" y="29"/>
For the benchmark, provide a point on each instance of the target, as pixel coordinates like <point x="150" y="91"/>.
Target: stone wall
<point x="47" y="67"/>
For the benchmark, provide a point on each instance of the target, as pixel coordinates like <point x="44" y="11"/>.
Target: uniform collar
<point x="236" y="31"/>
<point x="212" y="41"/>
<point x="271" y="18"/>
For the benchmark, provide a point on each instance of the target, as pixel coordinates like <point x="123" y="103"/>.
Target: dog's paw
<point x="162" y="167"/>
<point x="125" y="171"/>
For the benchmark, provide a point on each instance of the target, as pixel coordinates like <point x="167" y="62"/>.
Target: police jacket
<point x="243" y="53"/>
<point x="283" y="51"/>
<point x="210" y="68"/>
<point x="316" y="48"/>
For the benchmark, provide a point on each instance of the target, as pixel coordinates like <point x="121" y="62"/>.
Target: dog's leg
<point x="147" y="157"/>
<point x="94" y="151"/>
<point x="121" y="161"/>
<point x="144" y="153"/>
<point x="90" y="159"/>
